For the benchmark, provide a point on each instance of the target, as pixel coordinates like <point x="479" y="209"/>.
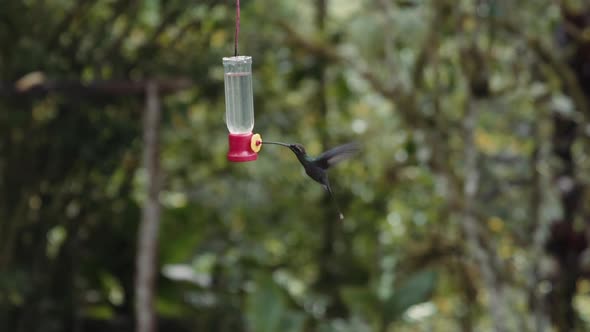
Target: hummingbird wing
<point x="336" y="155"/>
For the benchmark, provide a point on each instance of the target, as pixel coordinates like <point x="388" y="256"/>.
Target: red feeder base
<point x="240" y="149"/>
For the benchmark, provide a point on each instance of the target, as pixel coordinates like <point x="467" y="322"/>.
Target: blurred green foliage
<point x="256" y="246"/>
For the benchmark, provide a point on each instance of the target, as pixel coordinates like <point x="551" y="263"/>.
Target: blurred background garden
<point x="468" y="208"/>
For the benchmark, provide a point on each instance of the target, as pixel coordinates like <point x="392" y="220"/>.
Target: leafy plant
<point x="365" y="302"/>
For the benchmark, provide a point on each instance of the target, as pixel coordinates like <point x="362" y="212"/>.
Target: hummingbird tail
<point x="329" y="189"/>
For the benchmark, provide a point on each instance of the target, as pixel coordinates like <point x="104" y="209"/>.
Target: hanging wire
<point x="237" y="27"/>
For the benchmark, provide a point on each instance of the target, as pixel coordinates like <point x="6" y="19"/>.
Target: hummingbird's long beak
<point x="275" y="143"/>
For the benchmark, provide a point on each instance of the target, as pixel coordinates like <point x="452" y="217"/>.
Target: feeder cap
<point x="256" y="143"/>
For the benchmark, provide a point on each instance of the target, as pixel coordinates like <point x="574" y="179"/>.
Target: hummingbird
<point x="317" y="167"/>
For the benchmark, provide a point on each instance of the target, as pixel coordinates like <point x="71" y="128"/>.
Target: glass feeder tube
<point x="239" y="109"/>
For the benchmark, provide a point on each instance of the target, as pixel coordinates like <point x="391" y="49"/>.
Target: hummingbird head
<point x="298" y="149"/>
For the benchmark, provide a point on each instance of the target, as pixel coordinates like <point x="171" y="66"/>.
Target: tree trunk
<point x="566" y="244"/>
<point x="469" y="221"/>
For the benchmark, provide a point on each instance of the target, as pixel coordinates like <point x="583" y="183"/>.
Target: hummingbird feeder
<point x="239" y="104"/>
<point x="239" y="109"/>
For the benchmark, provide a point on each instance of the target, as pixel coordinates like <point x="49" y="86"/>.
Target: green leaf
<point x="265" y="306"/>
<point x="292" y="321"/>
<point x="361" y="301"/>
<point x="150" y="13"/>
<point x="103" y="312"/>
<point x="416" y="290"/>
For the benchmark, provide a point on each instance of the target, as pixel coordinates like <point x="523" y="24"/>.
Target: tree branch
<point x="149" y="227"/>
<point x="560" y="68"/>
<point x="112" y="87"/>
